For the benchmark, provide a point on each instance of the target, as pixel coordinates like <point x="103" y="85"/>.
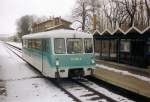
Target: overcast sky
<point x="11" y="10"/>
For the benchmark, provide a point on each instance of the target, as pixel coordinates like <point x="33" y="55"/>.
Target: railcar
<point x="60" y="53"/>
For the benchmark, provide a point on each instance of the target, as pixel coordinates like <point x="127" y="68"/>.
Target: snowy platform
<point x="16" y="44"/>
<point x="123" y="78"/>
<point x="19" y="82"/>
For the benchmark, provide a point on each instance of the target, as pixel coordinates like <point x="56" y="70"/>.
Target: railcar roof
<point x="58" y="34"/>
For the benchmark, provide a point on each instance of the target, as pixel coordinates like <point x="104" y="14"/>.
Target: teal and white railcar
<point x="60" y="53"/>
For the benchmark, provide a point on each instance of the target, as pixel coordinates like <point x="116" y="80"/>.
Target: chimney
<point x="50" y="17"/>
<point x="60" y="20"/>
<point x="94" y="22"/>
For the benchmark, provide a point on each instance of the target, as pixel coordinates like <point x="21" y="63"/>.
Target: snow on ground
<point x="21" y="83"/>
<point x="123" y="72"/>
<point x="34" y="90"/>
<point x="107" y="92"/>
<point x="17" y="44"/>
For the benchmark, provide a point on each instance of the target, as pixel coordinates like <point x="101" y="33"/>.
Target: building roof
<point x="118" y="30"/>
<point x="96" y="32"/>
<point x="106" y="32"/>
<point x="58" y="27"/>
<point x="146" y="30"/>
<point x="133" y="29"/>
<point x="132" y="32"/>
<point x="49" y="20"/>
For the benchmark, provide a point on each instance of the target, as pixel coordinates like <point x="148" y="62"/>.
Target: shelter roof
<point x="106" y="32"/>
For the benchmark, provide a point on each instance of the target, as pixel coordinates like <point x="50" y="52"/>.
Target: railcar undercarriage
<point x="78" y="72"/>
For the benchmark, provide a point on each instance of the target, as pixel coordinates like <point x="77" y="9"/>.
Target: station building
<point x="50" y="24"/>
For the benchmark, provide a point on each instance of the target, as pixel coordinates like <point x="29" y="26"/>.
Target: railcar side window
<point x="33" y="43"/>
<point x="29" y="43"/>
<point x="38" y="44"/>
<point x="74" y="45"/>
<point x="59" y="46"/>
<point x="25" y="43"/>
<point x="45" y="45"/>
<point x="88" y="45"/>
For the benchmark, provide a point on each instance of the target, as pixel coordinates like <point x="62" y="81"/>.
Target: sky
<point x="11" y="10"/>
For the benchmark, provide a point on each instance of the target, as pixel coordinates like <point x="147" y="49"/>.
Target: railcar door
<point x="45" y="54"/>
<point x="38" y="54"/>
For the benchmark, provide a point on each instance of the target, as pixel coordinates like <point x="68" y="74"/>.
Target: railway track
<point x="80" y="90"/>
<point x="15" y="50"/>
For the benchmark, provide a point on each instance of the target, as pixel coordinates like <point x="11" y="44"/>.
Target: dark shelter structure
<point x="146" y="37"/>
<point x="118" y="35"/>
<point x="97" y="41"/>
<point x="105" y="45"/>
<point x="131" y="47"/>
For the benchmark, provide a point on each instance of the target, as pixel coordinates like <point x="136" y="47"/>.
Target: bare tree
<point x="119" y="14"/>
<point x="130" y="7"/>
<point x="140" y="15"/>
<point x="108" y="10"/>
<point x="84" y="12"/>
<point x="100" y="19"/>
<point x="148" y="11"/>
<point x="24" y="25"/>
<point x="80" y="13"/>
<point x="93" y="12"/>
<point x="113" y="13"/>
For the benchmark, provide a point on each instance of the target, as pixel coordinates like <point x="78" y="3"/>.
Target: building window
<point x="125" y="45"/>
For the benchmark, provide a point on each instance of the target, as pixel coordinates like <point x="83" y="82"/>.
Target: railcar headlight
<point x="93" y="61"/>
<point x="57" y="62"/>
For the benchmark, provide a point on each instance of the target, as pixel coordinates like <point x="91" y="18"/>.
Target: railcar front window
<point x="74" y="46"/>
<point x="59" y="46"/>
<point x="88" y="45"/>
